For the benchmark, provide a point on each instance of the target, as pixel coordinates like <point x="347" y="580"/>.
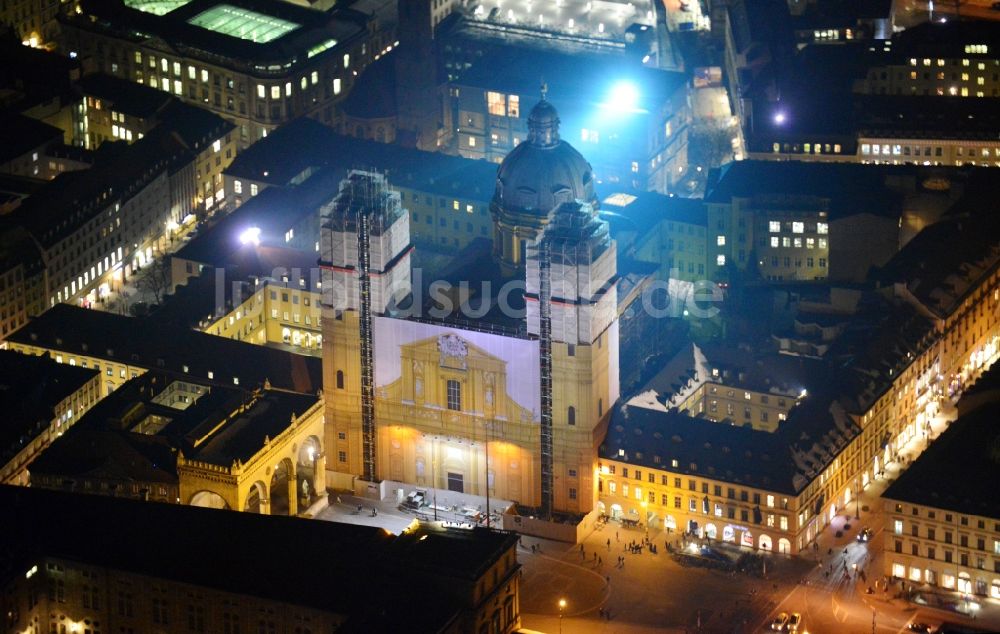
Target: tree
<point x="155" y="279"/>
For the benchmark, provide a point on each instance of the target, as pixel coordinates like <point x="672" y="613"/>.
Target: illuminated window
<point x="897" y="527"/>
<point x="635" y="167"/>
<point x="336" y="86"/>
<point x="822" y="228"/>
<point x="496" y="103"/>
<point x="192" y="73"/>
<point x="288" y="89"/>
<point x="720" y="260"/>
<point x="774" y="241"/>
<point x="472" y="141"/>
<point x="238" y="186"/>
<point x="798" y="227"/>
<point x="275" y="92"/>
<point x="314" y="77"/>
<point x="204" y="76"/>
<point x="303" y="83"/>
<point x="810" y="243"/>
<point x="774" y="226"/>
<point x="468" y="209"/>
<point x="770" y="501"/>
<point x="513" y="106"/>
<point x="822" y="243"/>
<point x="720" y="241"/>
<point x="347" y="60"/>
<point x="217" y="145"/>
<point x="454" y="395"/>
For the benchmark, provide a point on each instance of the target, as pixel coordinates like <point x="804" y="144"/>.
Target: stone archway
<point x="784" y="546"/>
<point x="310" y="472"/>
<point x="283" y="497"/>
<point x="209" y="500"/>
<point x="764" y="543"/>
<point x="256" y="501"/>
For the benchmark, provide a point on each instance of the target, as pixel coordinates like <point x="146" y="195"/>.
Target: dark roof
<point x="20" y="134"/>
<point x="383" y="583"/>
<point x="119" y="172"/>
<point x="649" y="209"/>
<point x="274" y="211"/>
<point x="373" y="95"/>
<point x="30" y="388"/>
<point x="943" y="262"/>
<point x="305" y="143"/>
<point x="128" y="97"/>
<point x="816" y="430"/>
<point x="849" y="188"/>
<point x="947" y="39"/>
<point x="147" y="343"/>
<point x="115" y="18"/>
<point x="225" y="425"/>
<point x="940" y="477"/>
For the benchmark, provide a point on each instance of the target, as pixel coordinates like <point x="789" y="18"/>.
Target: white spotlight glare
<point x="624" y="96"/>
<point x="250" y="235"/>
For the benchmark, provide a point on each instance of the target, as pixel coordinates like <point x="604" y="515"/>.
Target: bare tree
<point x="155" y="279"/>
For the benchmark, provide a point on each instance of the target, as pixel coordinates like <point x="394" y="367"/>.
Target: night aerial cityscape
<point x="499" y="316"/>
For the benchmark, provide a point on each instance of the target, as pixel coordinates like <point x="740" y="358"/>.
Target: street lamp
<point x="562" y="605"/>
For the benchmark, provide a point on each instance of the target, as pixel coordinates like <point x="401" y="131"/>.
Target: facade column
<point x="319" y="474"/>
<point x="293" y="493"/>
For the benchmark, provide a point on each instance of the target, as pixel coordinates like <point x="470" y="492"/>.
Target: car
<point x="794" y="621"/>
<point x="865" y="535"/>
<point x="919" y="627"/>
<point x="780" y="622"/>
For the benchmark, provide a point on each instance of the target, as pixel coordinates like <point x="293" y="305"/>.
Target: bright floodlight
<point x="624" y="96"/>
<point x="779" y="117"/>
<point x="250" y="236"/>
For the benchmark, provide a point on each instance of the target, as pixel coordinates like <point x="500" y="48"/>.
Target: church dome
<point x="544" y="171"/>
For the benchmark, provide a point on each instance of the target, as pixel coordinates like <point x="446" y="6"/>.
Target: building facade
<point x="302" y="67"/>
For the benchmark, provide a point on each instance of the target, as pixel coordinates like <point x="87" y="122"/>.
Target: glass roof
<point x="156" y="7"/>
<point x="243" y="23"/>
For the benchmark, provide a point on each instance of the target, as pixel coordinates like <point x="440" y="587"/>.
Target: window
<point x="513" y="106"/>
<point x="336" y="86"/>
<point x="496" y="103"/>
<point x="774" y="226"/>
<point x="798" y="227"/>
<point x="571" y="415"/>
<point x="720" y="260"/>
<point x="720" y="241"/>
<point x="822" y="228"/>
<point x="472" y="141"/>
<point x="454" y="395"/>
<point x="898" y="527"/>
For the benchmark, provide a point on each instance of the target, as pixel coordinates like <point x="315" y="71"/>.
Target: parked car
<point x="780" y="622"/>
<point x="923" y="628"/>
<point x="794" y="621"/>
<point x="865" y="534"/>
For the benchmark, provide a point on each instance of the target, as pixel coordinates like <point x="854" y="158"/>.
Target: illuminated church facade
<point x="462" y="405"/>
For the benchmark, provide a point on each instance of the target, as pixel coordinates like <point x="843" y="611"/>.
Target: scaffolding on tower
<point x="545" y="372"/>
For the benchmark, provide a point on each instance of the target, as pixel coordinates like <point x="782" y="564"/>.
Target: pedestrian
<point x="616" y="537"/>
<point x="581" y="548"/>
<point x="600" y="561"/>
<point x="595" y="555"/>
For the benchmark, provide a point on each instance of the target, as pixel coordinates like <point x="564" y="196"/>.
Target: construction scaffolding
<point x="357" y="235"/>
<point x="545" y="373"/>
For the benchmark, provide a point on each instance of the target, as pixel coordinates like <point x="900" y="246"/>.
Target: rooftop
<point x="575" y="82"/>
<point x="30" y="389"/>
<point x="243" y="23"/>
<point x="385" y="583"/>
<point x="849" y="188"/>
<point x="136" y="432"/>
<point x="259" y="34"/>
<point x="21" y="134"/>
<point x="942" y="263"/>
<point x="940" y="476"/>
<point x="128" y="97"/>
<point x="147" y="343"/>
<point x="305" y="143"/>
